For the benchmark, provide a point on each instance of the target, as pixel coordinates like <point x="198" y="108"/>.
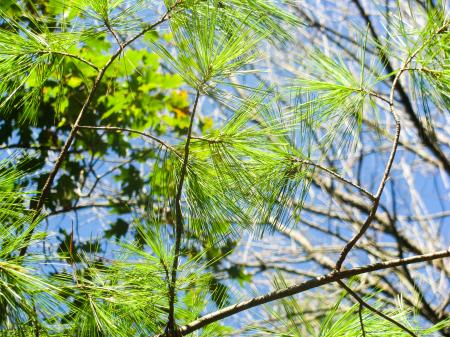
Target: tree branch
<point x="304" y="286"/>
<point x="114" y="33"/>
<point x="77" y="57"/>
<point x="336" y="175"/>
<point x="147" y="135"/>
<point x="171" y="326"/>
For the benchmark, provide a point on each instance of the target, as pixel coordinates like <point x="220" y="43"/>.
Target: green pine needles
<point x="247" y="174"/>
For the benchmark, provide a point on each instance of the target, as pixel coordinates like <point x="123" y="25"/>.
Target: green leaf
<point x="117" y="229"/>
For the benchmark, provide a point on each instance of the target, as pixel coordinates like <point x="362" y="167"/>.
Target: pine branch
<point x="114" y="34"/>
<point x="336" y="175"/>
<point x="62" y="155"/>
<point x="171" y="326"/>
<point x="76" y="57"/>
<point x="331" y="277"/>
<point x="146" y="135"/>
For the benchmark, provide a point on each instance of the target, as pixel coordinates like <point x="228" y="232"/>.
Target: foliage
<point x="349" y="323"/>
<point x="186" y="186"/>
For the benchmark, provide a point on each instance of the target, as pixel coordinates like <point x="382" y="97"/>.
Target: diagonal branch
<point x="114" y="34"/>
<point x="336" y="175"/>
<point x="147" y="135"/>
<point x="316" y="165"/>
<point x="334" y="276"/>
<point x="74" y="56"/>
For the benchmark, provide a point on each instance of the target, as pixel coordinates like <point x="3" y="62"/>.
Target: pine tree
<point x="238" y="178"/>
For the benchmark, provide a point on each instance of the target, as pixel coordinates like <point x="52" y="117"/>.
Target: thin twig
<point x="114" y="33"/>
<point x="415" y="150"/>
<point x="373" y="309"/>
<point x="336" y="175"/>
<point x="85" y="206"/>
<point x="147" y="135"/>
<point x="304" y="286"/>
<point x="164" y="18"/>
<point x="179" y="222"/>
<point x="361" y="321"/>
<point x="77" y="57"/>
<point x="427" y="217"/>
